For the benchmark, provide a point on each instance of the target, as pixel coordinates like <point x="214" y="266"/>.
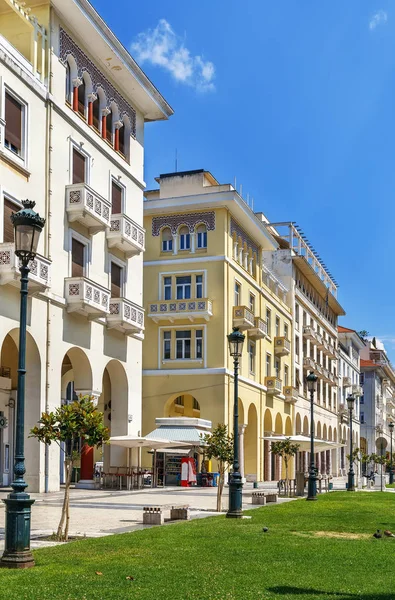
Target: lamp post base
<point x="235" y="497"/>
<point x="17" y="554"/>
<point x="391" y="476"/>
<point x="351" y="483"/>
<point x="312" y="487"/>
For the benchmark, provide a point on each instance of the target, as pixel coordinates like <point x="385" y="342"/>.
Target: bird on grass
<point x="265" y="529"/>
<point x="377" y="534"/>
<point x="388" y="533"/>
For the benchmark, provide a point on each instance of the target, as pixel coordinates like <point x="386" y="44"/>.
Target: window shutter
<point x="122" y="140"/>
<point x="81" y="99"/>
<point x="116" y="278"/>
<point x="96" y="114"/>
<point x="9" y="208"/>
<point x="109" y="128"/>
<point x="116" y="197"/>
<point x="13" y="118"/>
<point x="78" y="167"/>
<point x="77" y="255"/>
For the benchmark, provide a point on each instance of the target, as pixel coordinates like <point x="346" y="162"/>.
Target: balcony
<point x="259" y="331"/>
<point x="357" y="391"/>
<point x="200" y="309"/>
<point x="126" y="316"/>
<point x="40" y="269"/>
<point x="346" y="382"/>
<point x="87" y="207"/>
<point x="291" y="394"/>
<point x="309" y="333"/>
<point x="320" y="342"/>
<point x="243" y="318"/>
<point x="332" y="351"/>
<point x="86" y="297"/>
<point x="125" y="235"/>
<point x="274" y="386"/>
<point x="282" y="346"/>
<point x="308" y="363"/>
<point x="325" y="375"/>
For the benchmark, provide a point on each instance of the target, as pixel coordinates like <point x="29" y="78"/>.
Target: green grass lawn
<point x="222" y="559"/>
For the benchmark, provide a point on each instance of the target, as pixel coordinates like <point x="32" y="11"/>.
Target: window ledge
<point x="182" y="360"/>
<point x="12" y="160"/>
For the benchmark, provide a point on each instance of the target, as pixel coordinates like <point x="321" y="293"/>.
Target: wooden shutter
<point x="78" y="167"/>
<point x="116" y="197"/>
<point x="77" y="257"/>
<point x="13" y="126"/>
<point x="9" y="208"/>
<point x="116" y="280"/>
<point x="96" y="114"/>
<point x="109" y="128"/>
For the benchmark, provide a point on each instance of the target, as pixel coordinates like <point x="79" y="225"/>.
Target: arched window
<point x="167" y="240"/>
<point x="81" y="99"/>
<point x="69" y="86"/>
<point x="185" y="239"/>
<point x="122" y="140"/>
<point x="202" y="236"/>
<point x="96" y="113"/>
<point x="109" y="127"/>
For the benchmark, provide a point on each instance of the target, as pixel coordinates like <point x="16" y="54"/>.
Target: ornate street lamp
<point x="351" y="478"/>
<point x="28" y="225"/>
<point x="312" y="482"/>
<point x="236" y="341"/>
<point x="391" y="428"/>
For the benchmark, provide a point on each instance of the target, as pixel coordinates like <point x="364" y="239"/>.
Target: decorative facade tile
<point x="188" y="219"/>
<point x="75" y="197"/>
<point x="240" y="233"/>
<point x="74" y="289"/>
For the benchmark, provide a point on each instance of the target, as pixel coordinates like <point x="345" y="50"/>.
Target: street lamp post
<point x="28" y="226"/>
<point x="351" y="477"/>
<point x="391" y="428"/>
<point x="236" y="341"/>
<point x="312" y="482"/>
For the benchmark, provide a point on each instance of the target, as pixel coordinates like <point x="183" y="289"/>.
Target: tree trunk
<point x="66" y="500"/>
<point x="286" y="476"/>
<point x="220" y="488"/>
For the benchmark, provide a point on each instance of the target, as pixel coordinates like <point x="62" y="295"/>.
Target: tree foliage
<point x="68" y="423"/>
<point x="220" y="446"/>
<point x="363" y="334"/>
<point x="286" y="449"/>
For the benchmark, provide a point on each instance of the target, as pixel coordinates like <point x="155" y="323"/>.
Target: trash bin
<point x="255" y="485"/>
<point x="346" y="486"/>
<point x="215" y="479"/>
<point x="330" y="486"/>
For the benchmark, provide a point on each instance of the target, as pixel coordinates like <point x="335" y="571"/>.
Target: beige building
<point x="204" y="273"/>
<point x="73" y="106"/>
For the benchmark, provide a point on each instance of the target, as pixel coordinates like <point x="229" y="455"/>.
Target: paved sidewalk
<point x="97" y="513"/>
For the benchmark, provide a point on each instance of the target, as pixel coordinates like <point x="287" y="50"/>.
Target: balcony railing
<point x="87" y="207"/>
<point x="40" y="269"/>
<point x="282" y="346"/>
<point x="259" y="331"/>
<point x="125" y="235"/>
<point x="320" y="341"/>
<point x="308" y="363"/>
<point x="125" y="316"/>
<point x="332" y="351"/>
<point x="172" y="310"/>
<point x="309" y="333"/>
<point x="346" y="382"/>
<point x="274" y="385"/>
<point x="87" y="297"/>
<point x="291" y="394"/>
<point x="243" y="318"/>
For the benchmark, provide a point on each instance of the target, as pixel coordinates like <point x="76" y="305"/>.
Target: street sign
<point x="381" y="442"/>
<point x="3" y="422"/>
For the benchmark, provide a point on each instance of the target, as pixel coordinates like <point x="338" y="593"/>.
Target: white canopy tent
<point x="304" y="442"/>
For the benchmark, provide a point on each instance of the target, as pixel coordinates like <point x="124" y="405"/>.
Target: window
<point x="183" y="287"/>
<point x="122" y="140"/>
<point x="79" y="167"/>
<point x="196" y="405"/>
<point x="167" y="240"/>
<point x="199" y="343"/>
<point x="286" y="331"/>
<point x="269" y="322"/>
<point x="78" y="258"/>
<point x="179" y="401"/>
<point x="199" y="286"/>
<point x="167" y="345"/>
<point x="96" y="114"/>
<point x="286" y="375"/>
<point x="251" y="357"/>
<point x="116" y="198"/>
<point x="268" y="365"/>
<point x="8" y="228"/>
<point x="81" y="99"/>
<point x="14" y="112"/>
<point x="183" y="344"/>
<point x="237" y="293"/>
<point x="297" y="345"/>
<point x="202" y="236"/>
<point x="277" y="368"/>
<point x="277" y="327"/>
<point x="362" y="417"/>
<point x="297" y="314"/>
<point x="116" y="280"/>
<point x="361" y="378"/>
<point x="252" y="303"/>
<point x="69" y="87"/>
<point x="167" y="287"/>
<point x="109" y="127"/>
<point x="185" y="238"/>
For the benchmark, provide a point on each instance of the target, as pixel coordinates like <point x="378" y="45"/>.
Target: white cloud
<point x="164" y="48"/>
<point x="378" y="18"/>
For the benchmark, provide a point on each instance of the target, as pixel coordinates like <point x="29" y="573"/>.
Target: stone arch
<point x="318" y="430"/>
<point x="334" y="434"/>
<point x="251" y="444"/>
<point x="182" y="405"/>
<point x="113" y="402"/>
<point x="124" y="136"/>
<point x="278" y="427"/>
<point x="306" y="430"/>
<point x="268" y="429"/>
<point x="77" y="361"/>
<point x="330" y="433"/>
<point x="288" y="426"/>
<point x="324" y="432"/>
<point x="268" y="422"/>
<point x="298" y="424"/>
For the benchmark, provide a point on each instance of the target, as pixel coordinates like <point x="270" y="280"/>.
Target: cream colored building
<point x="73" y="105"/>
<point x="203" y="274"/>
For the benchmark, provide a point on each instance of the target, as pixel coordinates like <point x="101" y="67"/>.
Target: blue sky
<point x="295" y="99"/>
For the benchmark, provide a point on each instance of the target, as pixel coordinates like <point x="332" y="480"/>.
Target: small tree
<point x="68" y="424"/>
<point x="286" y="449"/>
<point x="219" y="445"/>
<point x="365" y="459"/>
<point x="364" y="334"/>
<point x="355" y="456"/>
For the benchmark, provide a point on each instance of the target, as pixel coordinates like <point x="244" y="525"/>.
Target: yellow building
<point x="204" y="274"/>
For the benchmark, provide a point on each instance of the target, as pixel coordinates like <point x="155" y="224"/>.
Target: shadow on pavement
<point x="292" y="591"/>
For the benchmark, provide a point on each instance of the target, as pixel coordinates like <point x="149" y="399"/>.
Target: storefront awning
<point x="127" y="441"/>
<point x="304" y="442"/>
<point x="191" y="436"/>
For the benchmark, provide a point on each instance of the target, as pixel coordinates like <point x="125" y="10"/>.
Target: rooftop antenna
<point x="241" y="190"/>
<point x="235" y="184"/>
<point x="176" y="160"/>
<point x="252" y="203"/>
<point x="248" y="199"/>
